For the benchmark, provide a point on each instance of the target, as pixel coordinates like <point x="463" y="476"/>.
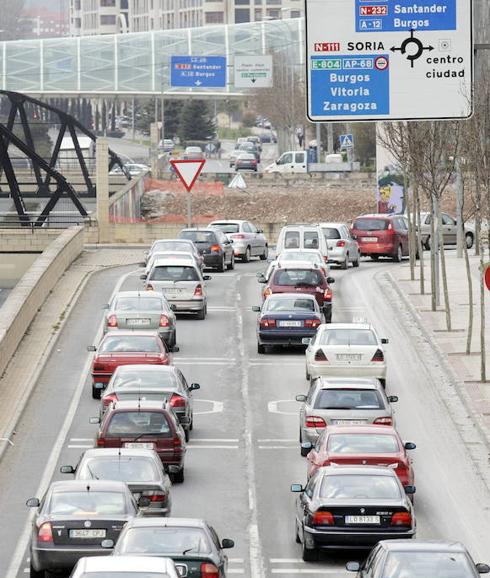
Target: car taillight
<point x="177" y="401"/>
<point x="383" y="421"/>
<point x="314" y="421"/>
<point x="45" y="534"/>
<point x="325" y="258"/>
<point x="98" y="367"/>
<point x="340" y="243"/>
<point x="401" y="519"/>
<point x="164" y="322"/>
<point x="100" y="442"/>
<point x="198" y="291"/>
<point x="327" y="296"/>
<point x="266" y="323"/>
<point x="209" y="570"/>
<point x="177" y="442"/>
<point x="322" y="519"/>
<point x="112" y="321"/>
<point x="267" y="292"/>
<point x="108" y="399"/>
<point x="378" y="356"/>
<point x="402" y="472"/>
<point x="149" y="287"/>
<point x="155" y="496"/>
<point x="215" y="248"/>
<point x="238" y="236"/>
<point x="320" y="356"/>
<point x="312" y="323"/>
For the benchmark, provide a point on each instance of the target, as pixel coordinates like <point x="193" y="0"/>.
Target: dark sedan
<point x="286" y="318"/>
<point x="72" y="521"/>
<point x="246" y="161"/>
<point x="192" y="544"/>
<point x="213" y="245"/>
<point x="352" y="507"/>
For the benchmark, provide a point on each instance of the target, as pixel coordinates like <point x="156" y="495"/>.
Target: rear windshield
<point x="86" y="503"/>
<point x="138" y="304"/>
<point x="122" y="469"/>
<point x="331" y="233"/>
<point x="227" y="227"/>
<point x="347" y="337"/>
<point x="424" y="564"/>
<point x="174" y="273"/>
<point x="199" y="236"/>
<point x="310" y="239"/>
<point x="362" y="444"/>
<point x="144" y="379"/>
<point x="164" y="541"/>
<point x="359" y="487"/>
<point x="349" y="399"/>
<point x="297" y="278"/>
<point x="371" y="224"/>
<point x="134" y="423"/>
<point x="291" y="240"/>
<point x="292" y="304"/>
<point x="129" y="343"/>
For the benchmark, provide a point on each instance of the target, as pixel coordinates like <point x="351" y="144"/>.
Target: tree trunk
<point x="408" y="207"/>
<point x="483" y="371"/>
<point x="420" y="249"/>
<point x="444" y="273"/>
<point x="433" y="265"/>
<point x="470" y="296"/>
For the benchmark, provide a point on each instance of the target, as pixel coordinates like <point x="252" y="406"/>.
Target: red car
<point x="381" y="236"/>
<point x="302" y="280"/>
<point x="125" y="348"/>
<point x="370" y="445"/>
<point x="147" y="425"/>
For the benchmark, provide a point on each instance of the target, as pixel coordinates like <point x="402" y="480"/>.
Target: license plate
<point x="348" y="421"/>
<point x="141" y="446"/>
<point x="349" y="356"/>
<point x="290" y="323"/>
<point x="137" y="322"/>
<point x="369" y="239"/>
<point x="171" y="290"/>
<point x="83" y="533"/>
<point x="362" y="519"/>
<point x="181" y="569"/>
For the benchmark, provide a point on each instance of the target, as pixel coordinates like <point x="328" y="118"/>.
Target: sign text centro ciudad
<point x="389" y="59"/>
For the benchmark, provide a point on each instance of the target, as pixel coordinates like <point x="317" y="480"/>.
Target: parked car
<point x="166" y="145"/>
<point x="449" y="230"/>
<point x="342" y="401"/>
<point x="127" y="567"/>
<point x="140" y="469"/>
<point x="248" y="241"/>
<point x="246" y="161"/>
<point x="302" y="237"/>
<point x="381" y="235"/>
<point x="285" y="318"/>
<point x="342" y="248"/>
<point x="193" y="154"/>
<point x="174" y="245"/>
<point x="141" y="424"/>
<point x="351" y="507"/>
<point x="142" y="310"/>
<point x="213" y="245"/>
<point x="346" y="350"/>
<point x="191" y="543"/>
<point x="182" y="284"/>
<point x="153" y="383"/>
<point x="126" y="348"/>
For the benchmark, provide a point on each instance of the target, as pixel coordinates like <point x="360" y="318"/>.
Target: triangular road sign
<point x="187" y="171"/>
<point x="237" y="182"/>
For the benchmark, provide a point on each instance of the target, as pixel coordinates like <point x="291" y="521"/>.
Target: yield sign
<point x="187" y="171"/>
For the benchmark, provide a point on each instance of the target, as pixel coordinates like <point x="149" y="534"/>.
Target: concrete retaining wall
<point x="28" y="240"/>
<point x="27" y="297"/>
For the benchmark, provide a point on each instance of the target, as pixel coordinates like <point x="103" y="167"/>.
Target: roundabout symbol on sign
<point x="381" y="63"/>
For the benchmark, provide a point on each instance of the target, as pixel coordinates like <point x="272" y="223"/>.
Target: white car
<point x="183" y="255"/>
<point x="342" y="248"/>
<point x="125" y="567"/>
<point x="346" y="350"/>
<point x="186" y="245"/>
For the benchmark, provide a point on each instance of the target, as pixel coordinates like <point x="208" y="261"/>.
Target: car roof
<point x="162" y="261"/>
<point x="278" y="296"/>
<point x="119" y="452"/>
<point x="298" y="250"/>
<point x="143" y="294"/>
<point x="333" y="225"/>
<point x="348" y="383"/>
<point x="354" y="326"/>
<point x="227" y="222"/>
<point x="423" y="545"/>
<point x="89" y="485"/>
<point x="361" y="429"/>
<point x="301" y="225"/>
<point x="296" y="265"/>
<point x="131" y="333"/>
<point x="139" y="405"/>
<point x="194" y="229"/>
<point x="146" y="522"/>
<point x="357" y="471"/>
<point x="379" y="216"/>
<point x="146" y="368"/>
<point x="125" y="563"/>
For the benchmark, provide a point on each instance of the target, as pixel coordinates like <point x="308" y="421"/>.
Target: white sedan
<point x="346" y="350"/>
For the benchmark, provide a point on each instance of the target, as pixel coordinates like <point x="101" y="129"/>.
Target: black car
<point x="213" y="245"/>
<point x="418" y="559"/>
<point x="352" y="507"/>
<point x="73" y="519"/>
<point x="192" y="544"/>
<point x="286" y="318"/>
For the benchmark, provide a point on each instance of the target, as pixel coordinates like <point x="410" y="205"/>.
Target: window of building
<point x="242" y="2"/>
<point x="215" y="17"/>
<point x="273" y="13"/>
<point x="242" y="15"/>
<point x="273" y="2"/>
<point x="107" y="20"/>
<point x="124" y="4"/>
<point x="295" y="14"/>
<point x="258" y="14"/>
<point x="107" y="3"/>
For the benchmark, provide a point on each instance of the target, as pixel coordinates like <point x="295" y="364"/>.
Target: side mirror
<point x="143" y="277"/>
<point x="352" y="566"/>
<point x="173" y="307"/>
<point x="227" y="543"/>
<point x="392" y="398"/>
<point x="301" y="398"/>
<point x="256" y="308"/>
<point x="409" y="490"/>
<point x="384" y="341"/>
<point x="91" y="348"/>
<point x="261" y="278"/>
<point x="409" y="445"/>
<point x="94" y="420"/>
<point x="194" y="386"/>
<point x="107" y="544"/>
<point x="207" y="277"/>
<point x="175" y="349"/>
<point x="297" y="488"/>
<point x="67" y="470"/>
<point x="330" y="280"/>
<point x="144" y="502"/>
<point x="306" y="448"/>
<point x="306" y="340"/>
<point x="482" y="568"/>
<point x="33" y="503"/>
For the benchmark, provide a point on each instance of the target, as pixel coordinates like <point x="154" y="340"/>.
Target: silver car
<point x="170" y="255"/>
<point x="127" y="566"/>
<point x="342" y="248"/>
<point x="342" y="401"/>
<point x="248" y="241"/>
<point x="449" y="231"/>
<point x="174" y="245"/>
<point x="142" y="310"/>
<point x="181" y="283"/>
<point x="141" y="469"/>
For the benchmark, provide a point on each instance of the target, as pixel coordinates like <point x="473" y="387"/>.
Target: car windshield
<point x="227" y="227"/>
<point x="134" y="423"/>
<point x="164" y="541"/>
<point x="138" y="304"/>
<point x="123" y="469"/>
<point x="371" y="224"/>
<point x="347" y="337"/>
<point x="431" y="564"/>
<point x="358" y="487"/>
<point x="297" y="278"/>
<point x="174" y="273"/>
<point x="290" y="304"/>
<point x="199" y="236"/>
<point x="144" y="379"/>
<point x="331" y="233"/>
<point x="349" y="399"/>
<point x="129" y="343"/>
<point x="87" y="502"/>
<point x="362" y="444"/>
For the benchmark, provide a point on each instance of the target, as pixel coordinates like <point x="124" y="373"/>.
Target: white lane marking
<point x="216" y="406"/>
<point x="17" y="558"/>
<point x="235" y="571"/>
<point x="235" y="560"/>
<point x="81" y="439"/>
<point x="225" y="363"/>
<point x="224" y="440"/>
<point x="277" y="440"/>
<point x="204" y="359"/>
<point x="218" y="308"/>
<point x="277" y="448"/>
<point x="321" y="571"/>
<point x="80" y="446"/>
<point x="190" y="447"/>
<point x="272" y="407"/>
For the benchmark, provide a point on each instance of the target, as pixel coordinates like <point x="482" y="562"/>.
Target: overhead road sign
<point x="389" y="59"/>
<point x="187" y="171"/>
<point x="346" y="141"/>
<point x="253" y="71"/>
<point x="198" y="71"/>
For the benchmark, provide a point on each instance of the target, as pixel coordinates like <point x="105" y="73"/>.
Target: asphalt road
<point x="244" y="452"/>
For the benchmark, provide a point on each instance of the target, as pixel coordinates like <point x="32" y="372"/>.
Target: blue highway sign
<point x="198" y="71"/>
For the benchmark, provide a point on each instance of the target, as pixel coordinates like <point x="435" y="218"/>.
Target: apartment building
<point x="239" y="11"/>
<point x="147" y="15"/>
<point x="95" y="17"/>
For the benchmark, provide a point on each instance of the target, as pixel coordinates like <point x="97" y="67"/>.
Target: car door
<point x="286" y="163"/>
<point x="449" y="230"/>
<point x="255" y="240"/>
<point x="401" y="234"/>
<point x="259" y="238"/>
<point x="249" y="236"/>
<point x="300" y="162"/>
<point x="184" y="388"/>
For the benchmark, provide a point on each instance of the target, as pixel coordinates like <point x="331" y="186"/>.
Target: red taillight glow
<point x="322" y="519"/>
<point x="149" y="287"/>
<point x="45" y="534"/>
<point x="312" y="323"/>
<point x="327" y="296"/>
<point x="383" y="421"/>
<point x="402" y="472"/>
<point x="108" y="399"/>
<point x="320" y="355"/>
<point x="266" y="323"/>
<point x="100" y="443"/>
<point x="177" y="401"/>
<point x="401" y="519"/>
<point x="112" y="321"/>
<point x="378" y="356"/>
<point x="215" y="248"/>
<point x="155" y="496"/>
<point x="314" y="421"/>
<point x="340" y="243"/>
<point x="325" y="258"/>
<point x="209" y="570"/>
<point x="198" y="291"/>
<point x="164" y="322"/>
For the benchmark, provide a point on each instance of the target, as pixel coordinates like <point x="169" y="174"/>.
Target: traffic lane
<point x="36" y="433"/>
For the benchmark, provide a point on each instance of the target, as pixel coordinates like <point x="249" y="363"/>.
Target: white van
<point x="289" y="162"/>
<point x="302" y="237"/>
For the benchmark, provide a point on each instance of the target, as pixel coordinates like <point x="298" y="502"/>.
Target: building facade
<point x="95" y="17"/>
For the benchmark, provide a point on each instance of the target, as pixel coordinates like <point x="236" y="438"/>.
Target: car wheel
<point x="265" y="254"/>
<point x="96" y="393"/>
<point x="187" y="434"/>
<point x="304" y="452"/>
<point x="201" y="314"/>
<point x="307" y="554"/>
<point x="191" y="425"/>
<point x="296" y="533"/>
<point x="178" y="477"/>
<point x="345" y="262"/>
<point x="469" y="240"/>
<point x="246" y="256"/>
<point x="328" y="315"/>
<point x="231" y="264"/>
<point x="398" y="256"/>
<point x="33" y="573"/>
<point x="308" y="376"/>
<point x="357" y="262"/>
<point x="260" y="348"/>
<point x="374" y="257"/>
<point x="222" y="266"/>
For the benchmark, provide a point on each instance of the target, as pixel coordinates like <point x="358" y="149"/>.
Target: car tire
<point x="374" y="257"/>
<point x="260" y="348"/>
<point x="265" y="254"/>
<point x="201" y="315"/>
<point x="191" y="425"/>
<point x="297" y="539"/>
<point x="231" y="264"/>
<point x="308" y="376"/>
<point x="178" y="477"/>
<point x="328" y="315"/>
<point x="357" y="262"/>
<point x="33" y="573"/>
<point x="246" y="256"/>
<point x="187" y="435"/>
<point x="398" y="256"/>
<point x="304" y="452"/>
<point x="96" y="393"/>
<point x="307" y="554"/>
<point x="345" y="262"/>
<point x="469" y="240"/>
<point x="222" y="266"/>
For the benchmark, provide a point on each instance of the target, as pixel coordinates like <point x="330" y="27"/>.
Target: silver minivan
<point x="182" y="283"/>
<point x="302" y="237"/>
<point x="342" y="248"/>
